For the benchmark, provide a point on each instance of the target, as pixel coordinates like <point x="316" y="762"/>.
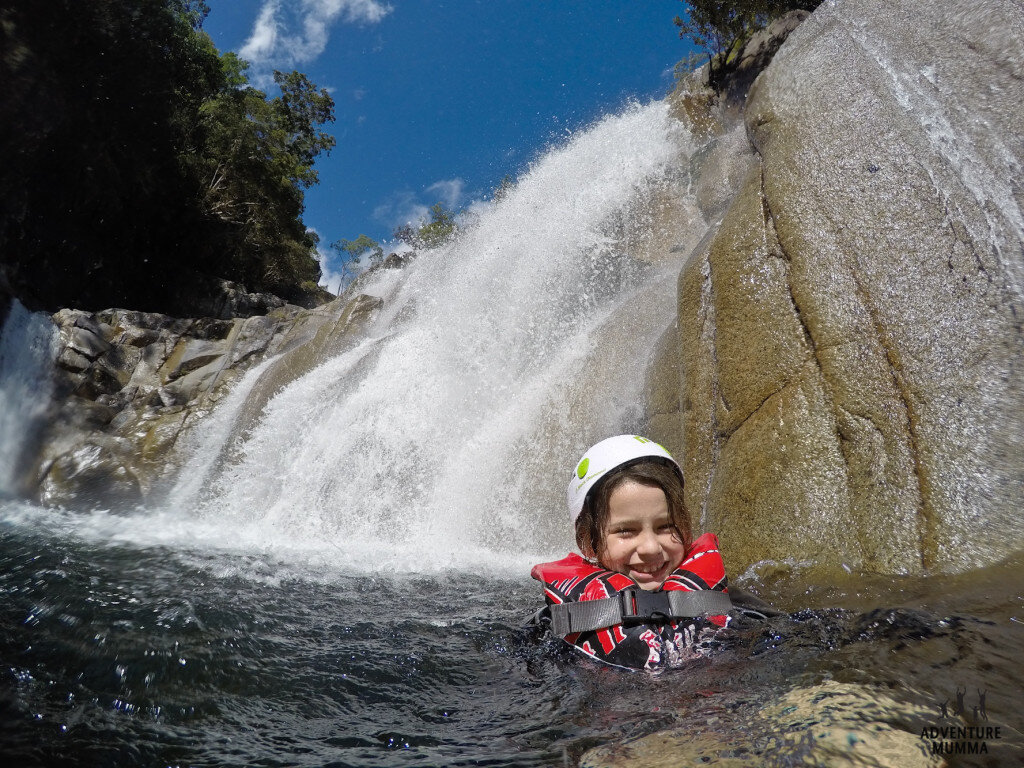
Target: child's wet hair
<point x="591" y="523"/>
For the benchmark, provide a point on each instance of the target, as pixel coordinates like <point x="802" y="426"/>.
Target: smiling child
<point x="645" y="593"/>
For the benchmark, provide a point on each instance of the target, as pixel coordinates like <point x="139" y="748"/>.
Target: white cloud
<point x="449" y="190"/>
<point x="370" y="11"/>
<point x="264" y="35"/>
<point x="289" y="32"/>
<point x="408" y="207"/>
<point x="331" y="277"/>
<point x="401" y="208"/>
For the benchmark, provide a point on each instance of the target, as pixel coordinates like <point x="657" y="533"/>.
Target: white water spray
<point x="445" y="438"/>
<point x="28" y="346"/>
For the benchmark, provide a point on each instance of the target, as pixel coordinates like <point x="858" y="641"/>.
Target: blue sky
<point x="438" y="101"/>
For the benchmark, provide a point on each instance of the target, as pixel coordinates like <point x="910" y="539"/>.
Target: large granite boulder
<point x="850" y="346"/>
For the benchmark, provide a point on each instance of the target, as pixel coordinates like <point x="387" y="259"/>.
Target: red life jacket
<point x="642" y="645"/>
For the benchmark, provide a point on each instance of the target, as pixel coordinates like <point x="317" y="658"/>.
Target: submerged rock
<point x="831" y="723"/>
<point x="850" y="349"/>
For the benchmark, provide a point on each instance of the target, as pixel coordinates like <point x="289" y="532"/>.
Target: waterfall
<point x="28" y="346"/>
<point x="445" y="438"/>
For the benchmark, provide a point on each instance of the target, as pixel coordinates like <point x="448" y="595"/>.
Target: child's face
<point x="639" y="539"/>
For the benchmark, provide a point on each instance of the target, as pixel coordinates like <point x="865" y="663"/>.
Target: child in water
<point x="645" y="594"/>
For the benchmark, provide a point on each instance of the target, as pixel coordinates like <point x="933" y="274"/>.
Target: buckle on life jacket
<point x="641" y="607"/>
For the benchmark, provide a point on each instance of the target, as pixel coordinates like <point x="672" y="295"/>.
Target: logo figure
<point x="959" y="709"/>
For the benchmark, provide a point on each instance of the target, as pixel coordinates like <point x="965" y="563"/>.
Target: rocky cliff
<point x="129" y="384"/>
<point x="845" y="382"/>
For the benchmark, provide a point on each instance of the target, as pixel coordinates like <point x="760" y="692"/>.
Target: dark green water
<point x="121" y="655"/>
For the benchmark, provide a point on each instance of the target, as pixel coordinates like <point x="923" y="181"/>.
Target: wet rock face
<point x="758" y="52"/>
<point x="851" y="340"/>
<point x="706" y="109"/>
<point x="129" y="383"/>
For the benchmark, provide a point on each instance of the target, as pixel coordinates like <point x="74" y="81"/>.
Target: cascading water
<point x="28" y="346"/>
<point x="443" y="439"/>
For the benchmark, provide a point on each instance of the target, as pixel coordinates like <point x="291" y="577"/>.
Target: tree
<point x="256" y="156"/>
<point x="299" y="112"/>
<point x="439" y="230"/>
<point x="136" y="155"/>
<point x="356" y="248"/>
<point x="408" y="235"/>
<point x="722" y="27"/>
<point x="717" y="27"/>
<point x="506" y="185"/>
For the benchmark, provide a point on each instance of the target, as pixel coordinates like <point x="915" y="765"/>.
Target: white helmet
<point x="603" y="458"/>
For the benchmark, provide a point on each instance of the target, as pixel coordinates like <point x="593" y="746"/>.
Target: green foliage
<point x="719" y="27"/>
<point x="298" y="112"/>
<point x="255" y="157"/>
<point x="193" y="12"/>
<point x="441" y="229"/>
<point x="135" y="153"/>
<point x="722" y="27"/>
<point x="690" y="63"/>
<point x="504" y="187"/>
<point x="356" y="248"/>
<point x="233" y="69"/>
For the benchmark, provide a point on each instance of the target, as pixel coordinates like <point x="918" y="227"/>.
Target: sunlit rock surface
<point x="835" y="724"/>
<point x="850" y="340"/>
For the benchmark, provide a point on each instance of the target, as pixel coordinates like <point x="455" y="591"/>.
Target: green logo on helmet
<point x="581" y="470"/>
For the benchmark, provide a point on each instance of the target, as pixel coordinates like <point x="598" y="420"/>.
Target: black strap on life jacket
<point x="636" y="606"/>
